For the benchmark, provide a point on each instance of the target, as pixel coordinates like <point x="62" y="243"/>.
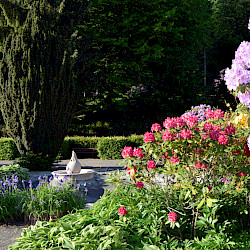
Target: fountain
<point x="73" y="172"/>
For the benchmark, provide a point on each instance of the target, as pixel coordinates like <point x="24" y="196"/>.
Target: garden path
<point x="96" y="187"/>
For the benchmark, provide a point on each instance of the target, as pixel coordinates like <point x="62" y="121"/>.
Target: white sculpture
<point x="74" y="166"/>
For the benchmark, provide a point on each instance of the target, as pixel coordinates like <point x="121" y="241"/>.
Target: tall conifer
<point x="39" y="66"/>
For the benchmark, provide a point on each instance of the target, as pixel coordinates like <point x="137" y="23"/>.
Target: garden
<point x="138" y="66"/>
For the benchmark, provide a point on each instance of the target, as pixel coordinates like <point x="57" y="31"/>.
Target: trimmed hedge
<point x="107" y="147"/>
<point x="8" y="149"/>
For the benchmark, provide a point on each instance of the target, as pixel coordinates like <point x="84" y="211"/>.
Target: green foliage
<point x="149" y="47"/>
<point x="41" y="61"/>
<point x="36" y="162"/>
<point x="46" y="201"/>
<point x="143" y="227"/>
<point x="111" y="147"/>
<point x="20" y="172"/>
<point x="8" y="149"/>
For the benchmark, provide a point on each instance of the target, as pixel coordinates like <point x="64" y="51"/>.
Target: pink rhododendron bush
<point x="202" y="167"/>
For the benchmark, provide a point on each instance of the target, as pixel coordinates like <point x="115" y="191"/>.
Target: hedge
<point x="8" y="149"/>
<point x="107" y="147"/>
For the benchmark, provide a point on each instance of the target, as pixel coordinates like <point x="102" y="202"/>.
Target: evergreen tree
<point x="40" y="53"/>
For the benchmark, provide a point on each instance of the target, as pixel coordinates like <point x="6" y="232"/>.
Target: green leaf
<point x="151" y="247"/>
<point x="68" y="244"/>
<point x="187" y="194"/>
<point x="201" y="203"/>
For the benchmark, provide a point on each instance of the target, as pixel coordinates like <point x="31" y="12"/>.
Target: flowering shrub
<point x="196" y="159"/>
<point x="198" y="111"/>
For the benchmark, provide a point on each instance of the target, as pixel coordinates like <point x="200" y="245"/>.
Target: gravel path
<point x="96" y="186"/>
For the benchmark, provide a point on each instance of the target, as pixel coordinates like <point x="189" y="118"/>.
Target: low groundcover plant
<point x="43" y="202"/>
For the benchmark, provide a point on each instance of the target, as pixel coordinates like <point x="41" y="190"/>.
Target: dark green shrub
<point x="135" y="140"/>
<point x="36" y="162"/>
<point x="8" y="149"/>
<point x="111" y="147"/>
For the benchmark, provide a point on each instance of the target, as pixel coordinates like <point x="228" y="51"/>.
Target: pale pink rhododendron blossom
<point x="122" y="211"/>
<point x="151" y="165"/>
<point x="248" y="142"/>
<point x="242" y="174"/>
<point x="238" y="77"/>
<point x="200" y="165"/>
<point x="137" y="152"/>
<point x="149" y="137"/>
<point x="156" y="127"/>
<point x="139" y="184"/>
<point x="174" y="159"/>
<point x="168" y="136"/>
<point x="127" y="152"/>
<point x="223" y="139"/>
<point x="185" y="134"/>
<point x="172" y="216"/>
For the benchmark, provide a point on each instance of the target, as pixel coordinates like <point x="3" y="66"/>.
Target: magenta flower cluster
<point x="172" y="216"/>
<point x="238" y="77"/>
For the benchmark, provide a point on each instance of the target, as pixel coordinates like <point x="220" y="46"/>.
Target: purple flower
<point x="30" y="184"/>
<point x="42" y="203"/>
<point x="57" y="202"/>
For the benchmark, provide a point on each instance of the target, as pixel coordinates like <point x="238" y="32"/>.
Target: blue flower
<point x="42" y="203"/>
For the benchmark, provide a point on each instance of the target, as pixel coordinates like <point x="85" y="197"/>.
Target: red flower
<point x="209" y="188"/>
<point x="242" y="174"/>
<point x="139" y="184"/>
<point x="149" y="137"/>
<point x="172" y="216"/>
<point x="174" y="159"/>
<point x="223" y="139"/>
<point x="156" y="127"/>
<point x="247" y="151"/>
<point x="151" y="165"/>
<point x="137" y="152"/>
<point x="122" y="211"/>
<point x="127" y="152"/>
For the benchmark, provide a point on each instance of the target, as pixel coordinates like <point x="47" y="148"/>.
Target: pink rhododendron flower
<point x="149" y="137"/>
<point x="214" y="135"/>
<point x="216" y="127"/>
<point x="185" y="134"/>
<point x="174" y="159"/>
<point x="242" y="174"/>
<point x="165" y="155"/>
<point x="209" y="114"/>
<point x="191" y="120"/>
<point x="179" y="122"/>
<point x="201" y="166"/>
<point x="137" y="152"/>
<point x="169" y="123"/>
<point x="223" y="139"/>
<point x="151" y="165"/>
<point x="127" y="152"/>
<point x="230" y="130"/>
<point x="218" y="113"/>
<point x="139" y="184"/>
<point x="167" y="136"/>
<point x="122" y="211"/>
<point x="156" y="127"/>
<point x="172" y="216"/>
<point x="208" y="126"/>
<point x="204" y="137"/>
